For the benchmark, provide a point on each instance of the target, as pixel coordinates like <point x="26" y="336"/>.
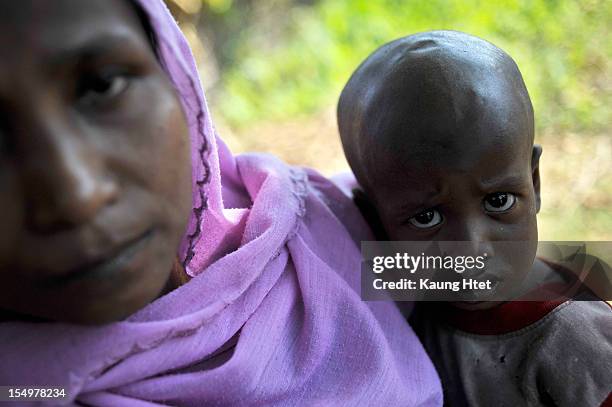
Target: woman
<point x="97" y="192"/>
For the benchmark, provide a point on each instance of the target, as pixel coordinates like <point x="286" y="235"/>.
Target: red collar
<point x="513" y="315"/>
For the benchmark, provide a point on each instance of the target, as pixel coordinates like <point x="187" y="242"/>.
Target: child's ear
<point x="535" y="174"/>
<point x="369" y="212"/>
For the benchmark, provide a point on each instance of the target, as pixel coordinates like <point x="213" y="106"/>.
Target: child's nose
<point x="65" y="183"/>
<point x="475" y="234"/>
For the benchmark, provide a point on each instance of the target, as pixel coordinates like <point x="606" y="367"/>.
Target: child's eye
<point x="426" y="219"/>
<point x="499" y="201"/>
<point x="98" y="88"/>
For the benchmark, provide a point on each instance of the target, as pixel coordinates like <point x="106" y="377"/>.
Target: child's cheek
<point x="520" y="224"/>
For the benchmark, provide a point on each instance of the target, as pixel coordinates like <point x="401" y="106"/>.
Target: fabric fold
<point x="272" y="315"/>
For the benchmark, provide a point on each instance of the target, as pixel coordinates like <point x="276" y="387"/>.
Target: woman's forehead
<point x="40" y="27"/>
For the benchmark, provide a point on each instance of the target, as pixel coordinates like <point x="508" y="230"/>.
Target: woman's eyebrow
<point x="90" y="48"/>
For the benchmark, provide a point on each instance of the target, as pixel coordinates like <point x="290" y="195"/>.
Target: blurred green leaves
<point x="296" y="59"/>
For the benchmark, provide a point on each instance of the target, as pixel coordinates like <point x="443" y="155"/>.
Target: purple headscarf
<point x="272" y="315"/>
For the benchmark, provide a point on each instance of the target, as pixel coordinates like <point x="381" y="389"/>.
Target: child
<point x="438" y="128"/>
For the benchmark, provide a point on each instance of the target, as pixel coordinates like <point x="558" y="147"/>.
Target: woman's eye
<point x="95" y="89"/>
<point x="426" y="219"/>
<point x="499" y="202"/>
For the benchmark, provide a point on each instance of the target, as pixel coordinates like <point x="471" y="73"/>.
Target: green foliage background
<point x="297" y="57"/>
<point x="280" y="66"/>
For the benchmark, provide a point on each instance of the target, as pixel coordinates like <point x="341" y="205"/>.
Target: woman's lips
<point x="106" y="266"/>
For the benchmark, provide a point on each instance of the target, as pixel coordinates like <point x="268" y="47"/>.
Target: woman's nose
<point x="65" y="183"/>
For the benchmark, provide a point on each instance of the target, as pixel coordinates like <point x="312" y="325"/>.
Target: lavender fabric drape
<point x="272" y="315"/>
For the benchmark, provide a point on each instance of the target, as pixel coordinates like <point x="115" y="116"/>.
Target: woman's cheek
<point x="178" y="184"/>
<point x="11" y="214"/>
<point x="167" y="159"/>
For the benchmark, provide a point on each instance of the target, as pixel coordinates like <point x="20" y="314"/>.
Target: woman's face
<point x="95" y="179"/>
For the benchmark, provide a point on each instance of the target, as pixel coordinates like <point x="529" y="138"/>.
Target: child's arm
<point x="573" y="361"/>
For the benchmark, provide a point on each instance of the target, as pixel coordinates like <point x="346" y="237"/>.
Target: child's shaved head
<point x="438" y="129"/>
<point x="423" y="93"/>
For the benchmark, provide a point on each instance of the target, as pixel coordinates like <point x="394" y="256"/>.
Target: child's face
<point x="474" y="179"/>
<point x="95" y="181"/>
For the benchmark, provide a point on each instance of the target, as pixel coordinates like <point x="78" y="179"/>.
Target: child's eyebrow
<point x="420" y="201"/>
<point x="508" y="181"/>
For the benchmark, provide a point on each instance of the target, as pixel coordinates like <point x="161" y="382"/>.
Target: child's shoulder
<point x="573" y="351"/>
<point x="560" y="352"/>
<point x="585" y="321"/>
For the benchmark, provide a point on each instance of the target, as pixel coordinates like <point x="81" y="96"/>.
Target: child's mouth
<point x="480" y="296"/>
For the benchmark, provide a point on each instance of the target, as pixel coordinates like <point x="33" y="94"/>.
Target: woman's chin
<point x="97" y="301"/>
